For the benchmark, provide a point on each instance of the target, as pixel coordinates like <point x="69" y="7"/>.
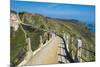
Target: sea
<point x="91" y="27"/>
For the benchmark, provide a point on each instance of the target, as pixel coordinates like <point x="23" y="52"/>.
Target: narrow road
<point x="48" y="54"/>
<point x="52" y="53"/>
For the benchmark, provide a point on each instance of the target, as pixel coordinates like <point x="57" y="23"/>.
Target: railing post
<point x="41" y="41"/>
<point x="67" y="42"/>
<point x="66" y="37"/>
<point x="29" y="44"/>
<point x="79" y="49"/>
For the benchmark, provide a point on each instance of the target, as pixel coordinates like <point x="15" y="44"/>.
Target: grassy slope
<point x="72" y="27"/>
<point x="17" y="44"/>
<point x="76" y="30"/>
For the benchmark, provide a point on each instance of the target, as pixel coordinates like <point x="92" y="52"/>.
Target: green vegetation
<point x="74" y="28"/>
<point x="17" y="45"/>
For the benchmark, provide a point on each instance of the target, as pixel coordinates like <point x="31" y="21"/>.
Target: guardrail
<point x="36" y="51"/>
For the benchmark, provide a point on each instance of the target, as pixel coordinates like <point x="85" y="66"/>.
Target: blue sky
<point x="85" y="13"/>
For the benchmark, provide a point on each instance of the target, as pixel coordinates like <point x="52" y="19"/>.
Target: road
<point x="51" y="53"/>
<point x="48" y="54"/>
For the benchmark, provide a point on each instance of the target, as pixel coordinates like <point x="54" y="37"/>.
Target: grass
<point x="17" y="43"/>
<point x="73" y="28"/>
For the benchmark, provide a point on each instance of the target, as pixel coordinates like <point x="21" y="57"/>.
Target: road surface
<point x="48" y="54"/>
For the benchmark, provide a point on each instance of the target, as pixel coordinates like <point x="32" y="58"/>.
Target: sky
<point x="84" y="13"/>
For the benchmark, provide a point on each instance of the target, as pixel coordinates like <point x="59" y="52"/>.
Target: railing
<point x="68" y="56"/>
<point x="88" y="50"/>
<point x="80" y="56"/>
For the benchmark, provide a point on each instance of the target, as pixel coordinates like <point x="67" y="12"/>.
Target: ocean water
<point x="91" y="27"/>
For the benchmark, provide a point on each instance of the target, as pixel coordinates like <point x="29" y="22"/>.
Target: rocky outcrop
<point x="14" y="22"/>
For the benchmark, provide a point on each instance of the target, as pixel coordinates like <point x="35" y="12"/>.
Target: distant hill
<point x="35" y="23"/>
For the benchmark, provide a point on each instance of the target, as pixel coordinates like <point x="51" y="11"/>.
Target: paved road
<point x="47" y="55"/>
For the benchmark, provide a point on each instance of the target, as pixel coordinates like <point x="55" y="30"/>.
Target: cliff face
<point x="33" y="25"/>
